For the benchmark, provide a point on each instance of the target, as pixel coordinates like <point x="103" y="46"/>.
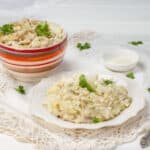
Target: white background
<point x="130" y="18"/>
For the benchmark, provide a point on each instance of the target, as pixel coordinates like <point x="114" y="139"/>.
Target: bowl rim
<point x="34" y="50"/>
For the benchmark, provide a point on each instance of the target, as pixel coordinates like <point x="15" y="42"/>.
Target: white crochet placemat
<point x="48" y="137"/>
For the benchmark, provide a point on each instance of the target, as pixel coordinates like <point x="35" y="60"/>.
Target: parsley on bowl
<point x="31" y="48"/>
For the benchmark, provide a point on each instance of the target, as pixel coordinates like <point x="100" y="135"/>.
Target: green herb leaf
<point x="97" y="119"/>
<point x="84" y="83"/>
<point x="20" y="89"/>
<point x="136" y="43"/>
<point x="130" y="75"/>
<point x="79" y="45"/>
<point x="6" y="29"/>
<point x="43" y="30"/>
<point x="84" y="46"/>
<point x="148" y="90"/>
<point x="107" y="82"/>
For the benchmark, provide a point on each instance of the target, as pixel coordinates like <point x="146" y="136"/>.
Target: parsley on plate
<point x="107" y="82"/>
<point x="84" y="83"/>
<point x="97" y="119"/>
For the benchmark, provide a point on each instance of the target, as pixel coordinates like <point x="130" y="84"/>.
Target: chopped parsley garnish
<point x="84" y="83"/>
<point x="83" y="46"/>
<point x="107" y="82"/>
<point x="20" y="89"/>
<point x="43" y="30"/>
<point x="148" y="90"/>
<point x="130" y="75"/>
<point x="97" y="119"/>
<point x="6" y="29"/>
<point x="136" y="43"/>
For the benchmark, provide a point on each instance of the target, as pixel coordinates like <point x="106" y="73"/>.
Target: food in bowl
<point x="29" y="49"/>
<point x="30" y="33"/>
<point x="87" y="99"/>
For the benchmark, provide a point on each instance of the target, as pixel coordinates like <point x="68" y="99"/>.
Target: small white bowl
<point x="120" y="59"/>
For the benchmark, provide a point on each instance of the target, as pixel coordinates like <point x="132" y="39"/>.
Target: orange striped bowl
<point x="30" y="65"/>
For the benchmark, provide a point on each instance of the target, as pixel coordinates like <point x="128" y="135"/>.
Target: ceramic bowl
<point x="32" y="64"/>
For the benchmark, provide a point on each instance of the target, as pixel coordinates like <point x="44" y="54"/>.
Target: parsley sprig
<point x="6" y="29"/>
<point x="107" y="82"/>
<point x="135" y="43"/>
<point x="83" y="46"/>
<point x="43" y="30"/>
<point x="97" y="119"/>
<point x="84" y="83"/>
<point x="148" y="89"/>
<point x="20" y="89"/>
<point x="130" y="75"/>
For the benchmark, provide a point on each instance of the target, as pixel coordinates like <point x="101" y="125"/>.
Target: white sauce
<point x="122" y="60"/>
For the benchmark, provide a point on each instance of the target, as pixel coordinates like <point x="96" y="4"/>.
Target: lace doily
<point x="48" y="137"/>
<point x="45" y="137"/>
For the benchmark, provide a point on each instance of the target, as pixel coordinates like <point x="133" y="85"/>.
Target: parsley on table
<point x="148" y="90"/>
<point x="97" y="119"/>
<point x="84" y="83"/>
<point x="20" y="89"/>
<point x="84" y="46"/>
<point x="136" y="43"/>
<point x="130" y="75"/>
<point x="6" y="29"/>
<point x="43" y="30"/>
<point x="107" y="82"/>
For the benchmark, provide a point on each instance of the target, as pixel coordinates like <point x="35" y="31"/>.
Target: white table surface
<point x="129" y="18"/>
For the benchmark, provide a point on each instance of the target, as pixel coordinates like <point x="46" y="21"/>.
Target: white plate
<point x="38" y="94"/>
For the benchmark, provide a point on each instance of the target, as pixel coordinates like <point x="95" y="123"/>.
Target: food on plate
<point x="87" y="99"/>
<point x="29" y="33"/>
